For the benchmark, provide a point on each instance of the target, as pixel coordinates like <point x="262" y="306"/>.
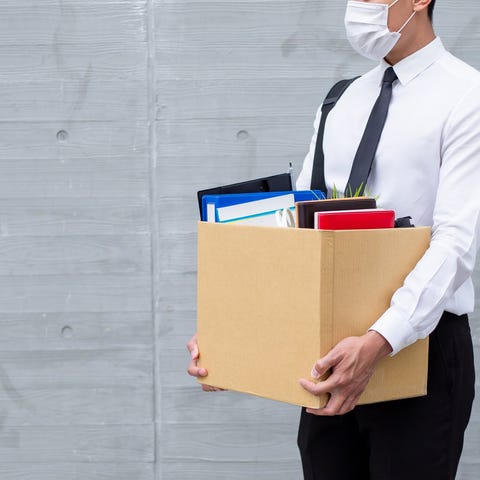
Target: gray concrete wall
<point x="112" y="114"/>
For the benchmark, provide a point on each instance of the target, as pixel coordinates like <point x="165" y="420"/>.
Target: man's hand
<point x="193" y="368"/>
<point x="352" y="362"/>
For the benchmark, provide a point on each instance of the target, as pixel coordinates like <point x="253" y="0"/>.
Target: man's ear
<point x="420" y="5"/>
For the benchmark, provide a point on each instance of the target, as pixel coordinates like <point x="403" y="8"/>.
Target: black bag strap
<point x="318" y="171"/>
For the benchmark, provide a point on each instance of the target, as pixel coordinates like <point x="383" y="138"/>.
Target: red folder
<point x="355" y="219"/>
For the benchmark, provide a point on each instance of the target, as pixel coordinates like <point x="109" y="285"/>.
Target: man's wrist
<point x="379" y="344"/>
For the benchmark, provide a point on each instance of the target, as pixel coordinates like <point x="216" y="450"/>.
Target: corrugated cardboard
<point x="271" y="301"/>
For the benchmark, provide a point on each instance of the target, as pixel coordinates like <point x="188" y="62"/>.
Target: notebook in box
<point x="355" y="219"/>
<point x="305" y="210"/>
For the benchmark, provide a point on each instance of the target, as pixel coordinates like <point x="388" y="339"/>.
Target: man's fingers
<point x="334" y="406"/>
<point x="192" y="347"/>
<point x="351" y="403"/>
<point x="194" y="353"/>
<point x="309" y="386"/>
<point x="195" y="371"/>
<point x="209" y="388"/>
<point x="323" y="365"/>
<point x="337" y="404"/>
<point x="316" y="389"/>
<point x="325" y="386"/>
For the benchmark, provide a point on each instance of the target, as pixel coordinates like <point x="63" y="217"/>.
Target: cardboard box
<point x="271" y="301"/>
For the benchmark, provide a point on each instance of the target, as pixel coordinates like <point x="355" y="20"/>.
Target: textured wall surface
<point x="76" y="349"/>
<point x="113" y="113"/>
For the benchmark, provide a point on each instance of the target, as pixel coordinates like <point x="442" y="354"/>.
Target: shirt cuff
<point x="395" y="329"/>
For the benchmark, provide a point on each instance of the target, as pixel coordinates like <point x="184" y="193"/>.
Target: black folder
<point x="275" y="183"/>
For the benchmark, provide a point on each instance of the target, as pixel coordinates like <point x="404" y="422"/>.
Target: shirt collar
<point x="416" y="63"/>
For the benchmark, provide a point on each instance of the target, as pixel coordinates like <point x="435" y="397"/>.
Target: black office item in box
<point x="404" y="222"/>
<point x="275" y="183"/>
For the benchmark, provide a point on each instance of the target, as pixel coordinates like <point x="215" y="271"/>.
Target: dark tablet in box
<point x="274" y="183"/>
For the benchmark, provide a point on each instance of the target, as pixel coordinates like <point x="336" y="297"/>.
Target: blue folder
<point x="228" y="199"/>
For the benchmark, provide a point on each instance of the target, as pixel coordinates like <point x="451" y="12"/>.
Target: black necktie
<point x="362" y="163"/>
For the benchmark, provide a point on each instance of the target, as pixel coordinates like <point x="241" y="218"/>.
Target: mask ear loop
<point x="393" y="3"/>
<point x="407" y="22"/>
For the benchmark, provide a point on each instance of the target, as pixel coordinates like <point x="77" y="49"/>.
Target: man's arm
<point x="448" y="263"/>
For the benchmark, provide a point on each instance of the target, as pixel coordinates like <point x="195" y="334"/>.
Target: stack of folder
<point x="309" y="209"/>
<point x="253" y="208"/>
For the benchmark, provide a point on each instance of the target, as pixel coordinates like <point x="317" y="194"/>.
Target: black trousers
<point x="414" y="439"/>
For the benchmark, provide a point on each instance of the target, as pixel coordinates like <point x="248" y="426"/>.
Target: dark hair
<point x="430" y="9"/>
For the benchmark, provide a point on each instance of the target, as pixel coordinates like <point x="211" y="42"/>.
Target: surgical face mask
<point x="367" y="28"/>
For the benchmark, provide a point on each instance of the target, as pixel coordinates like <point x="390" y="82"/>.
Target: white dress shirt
<point x="427" y="166"/>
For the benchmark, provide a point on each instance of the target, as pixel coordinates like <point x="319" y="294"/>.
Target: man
<point x="427" y="166"/>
